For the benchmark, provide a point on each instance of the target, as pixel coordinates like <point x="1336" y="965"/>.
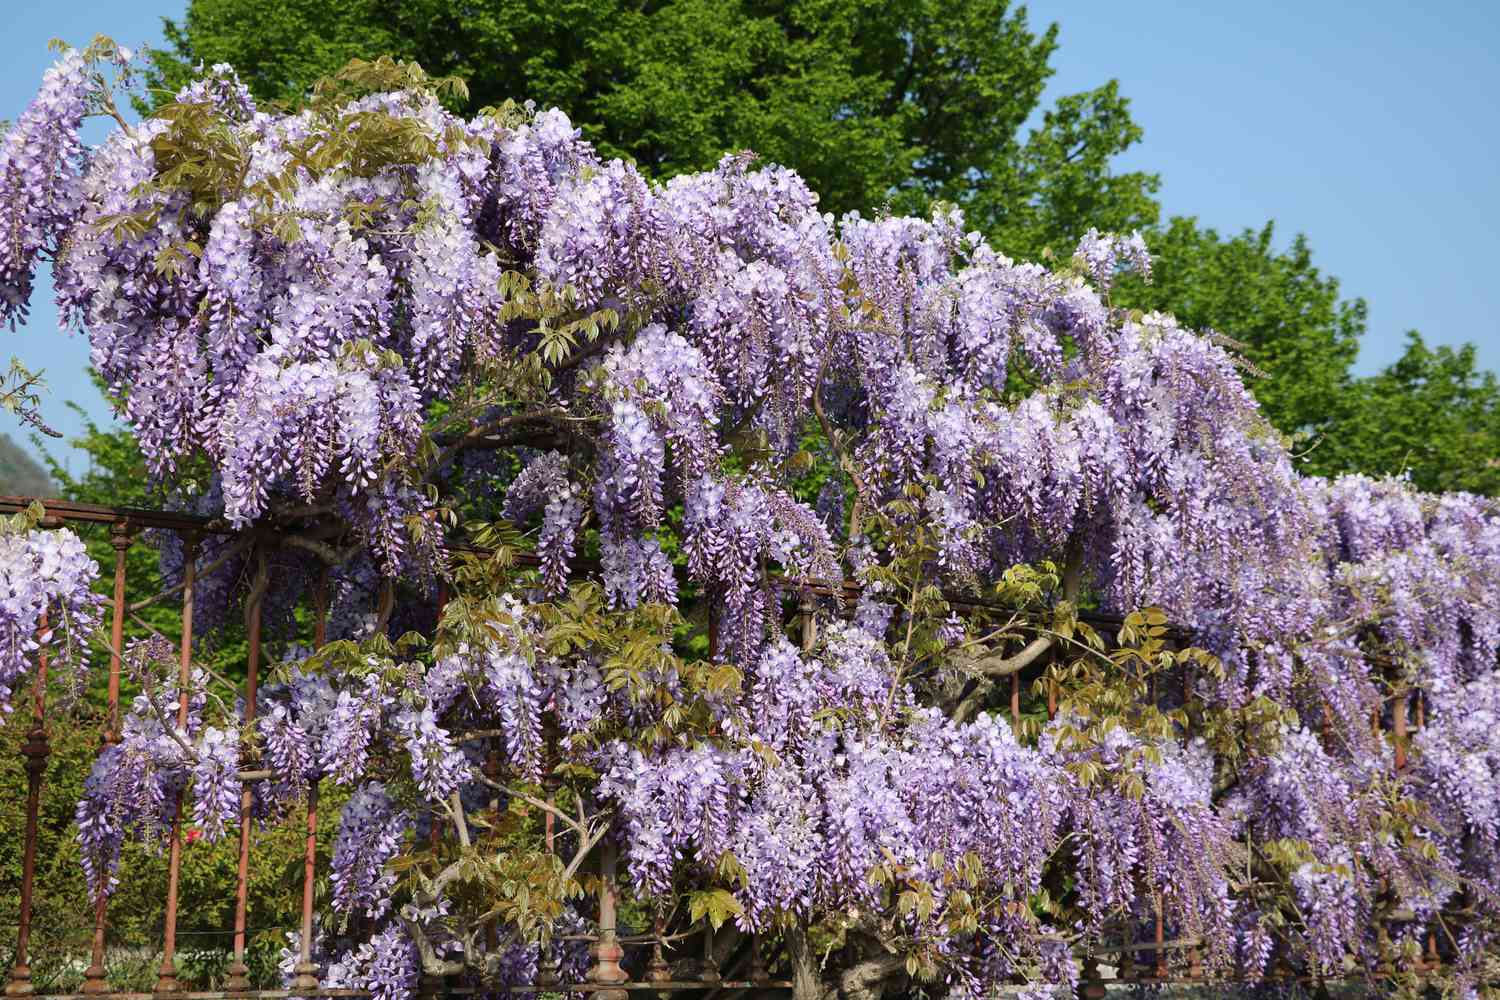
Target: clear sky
<point x="1373" y="127"/>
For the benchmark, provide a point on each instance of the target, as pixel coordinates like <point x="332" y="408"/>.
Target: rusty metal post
<point x="36" y="750"/>
<point x="320" y="611"/>
<point x="1162" y="971"/>
<point x="306" y="969"/>
<point x="1398" y="728"/>
<point x="759" y="974"/>
<point x="239" y="973"/>
<point x="657" y="969"/>
<point x="710" y="971"/>
<point x="166" y="979"/>
<point x="119" y="537"/>
<point x="1127" y="969"/>
<point x="94" y="981"/>
<point x="1431" y="958"/>
<point x="548" y="967"/>
<point x="386" y="603"/>
<point x="713" y="626"/>
<point x="1194" y="957"/>
<point x="606" y="951"/>
<point x="1090" y="985"/>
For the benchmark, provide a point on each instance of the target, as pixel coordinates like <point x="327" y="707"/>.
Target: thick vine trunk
<point x="865" y="980"/>
<point x="807" y="984"/>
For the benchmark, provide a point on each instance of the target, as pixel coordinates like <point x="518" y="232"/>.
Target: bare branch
<point x="456" y="810"/>
<point x="577" y="825"/>
<point x="229" y="553"/>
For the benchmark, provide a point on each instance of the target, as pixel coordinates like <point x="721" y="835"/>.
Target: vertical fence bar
<point x="1194" y="957"/>
<point x="547" y="966"/>
<point x="239" y="973"/>
<point x="387" y="603"/>
<point x="166" y="979"/>
<point x="807" y="622"/>
<point x="36" y="750"/>
<point x="1127" y="971"/>
<point x="759" y="974"/>
<point x="320" y="611"/>
<point x="94" y="981"/>
<point x="1090" y="985"/>
<point x="306" y="969"/>
<point x="709" y="973"/>
<point x="657" y="970"/>
<point x="1398" y="727"/>
<point x="606" y="951"/>
<point x="119" y="538"/>
<point x="1431" y="957"/>
<point x="1161" y="971"/>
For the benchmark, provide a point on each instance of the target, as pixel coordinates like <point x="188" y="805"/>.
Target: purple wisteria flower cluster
<point x="46" y="606"/>
<point x="664" y="374"/>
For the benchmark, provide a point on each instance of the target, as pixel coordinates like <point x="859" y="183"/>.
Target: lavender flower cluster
<point x="333" y="313"/>
<point x="46" y="606"/>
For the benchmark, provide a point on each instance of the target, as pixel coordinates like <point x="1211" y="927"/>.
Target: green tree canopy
<point x="1432" y="414"/>
<point x="872" y="103"/>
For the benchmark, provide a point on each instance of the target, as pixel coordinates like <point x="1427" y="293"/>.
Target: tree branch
<point x="995" y="667"/>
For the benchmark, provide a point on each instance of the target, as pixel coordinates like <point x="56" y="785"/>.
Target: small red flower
<point x="194" y="836"/>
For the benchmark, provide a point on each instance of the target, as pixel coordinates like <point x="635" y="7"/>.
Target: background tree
<point x="873" y="103"/>
<point x="1432" y="414"/>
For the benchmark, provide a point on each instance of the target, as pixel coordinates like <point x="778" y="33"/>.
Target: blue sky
<point x="1372" y="127"/>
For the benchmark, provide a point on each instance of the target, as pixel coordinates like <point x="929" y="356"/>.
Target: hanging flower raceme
<point x="40" y="160"/>
<point x="46" y="606"/>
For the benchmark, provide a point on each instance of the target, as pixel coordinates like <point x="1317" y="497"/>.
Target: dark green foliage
<point x="1431" y="414"/>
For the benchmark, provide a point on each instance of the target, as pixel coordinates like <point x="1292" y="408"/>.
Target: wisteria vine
<point x="370" y="317"/>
